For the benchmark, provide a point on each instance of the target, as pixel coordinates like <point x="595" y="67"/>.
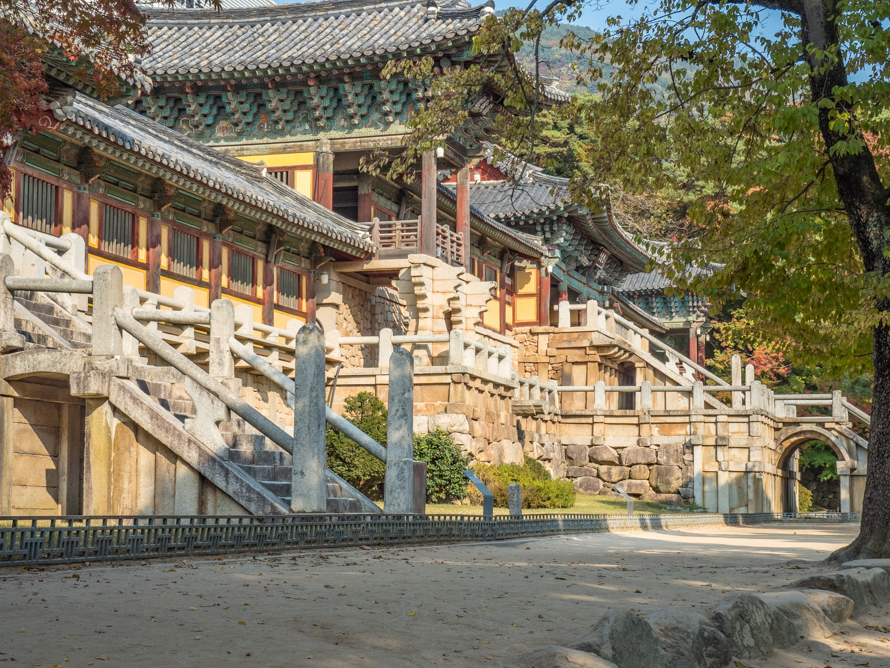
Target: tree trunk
<point x="865" y="202"/>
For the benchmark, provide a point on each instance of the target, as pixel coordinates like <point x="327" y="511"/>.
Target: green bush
<point x="446" y="463"/>
<point x="347" y="458"/>
<point x="538" y="489"/>
<point x="804" y="499"/>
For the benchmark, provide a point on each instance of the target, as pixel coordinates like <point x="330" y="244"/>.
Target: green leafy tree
<point x="446" y="463"/>
<point x="347" y="458"/>
<point x="773" y="119"/>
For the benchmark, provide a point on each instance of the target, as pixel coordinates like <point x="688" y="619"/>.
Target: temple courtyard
<point x="454" y="605"/>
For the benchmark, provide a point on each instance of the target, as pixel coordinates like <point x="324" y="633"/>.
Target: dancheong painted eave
<point x="208" y="169"/>
<point x="292" y="36"/>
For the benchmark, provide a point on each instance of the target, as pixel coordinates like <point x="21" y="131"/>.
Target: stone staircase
<point x="249" y="450"/>
<point x="45" y="324"/>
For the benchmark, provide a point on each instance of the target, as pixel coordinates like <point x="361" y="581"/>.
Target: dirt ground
<point x="457" y="605"/>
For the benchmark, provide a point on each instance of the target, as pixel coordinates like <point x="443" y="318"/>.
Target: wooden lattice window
<point x="283" y="175"/>
<point x="184" y="254"/>
<point x="290" y="289"/>
<point x="38" y="204"/>
<point x="241" y="278"/>
<point x="117" y="231"/>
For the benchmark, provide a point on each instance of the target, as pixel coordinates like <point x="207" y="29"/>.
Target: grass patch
<point x="588" y="504"/>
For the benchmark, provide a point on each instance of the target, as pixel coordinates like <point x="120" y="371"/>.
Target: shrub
<point x="538" y="489"/>
<point x="446" y="463"/>
<point x="347" y="458"/>
<point x="804" y="499"/>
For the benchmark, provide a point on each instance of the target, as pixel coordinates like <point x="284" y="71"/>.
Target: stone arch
<point x="790" y="438"/>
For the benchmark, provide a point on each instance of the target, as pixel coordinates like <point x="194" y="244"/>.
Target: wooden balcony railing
<point x="449" y="246"/>
<point x="398" y="238"/>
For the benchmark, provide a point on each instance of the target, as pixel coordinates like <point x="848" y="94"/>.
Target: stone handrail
<point x="532" y="389"/>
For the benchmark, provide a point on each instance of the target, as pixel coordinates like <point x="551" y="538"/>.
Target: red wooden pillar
<point x="544" y="300"/>
<point x="324" y="174"/>
<point x="81" y="220"/>
<point x="428" y="205"/>
<point x="215" y="267"/>
<point x="364" y="198"/>
<point x="269" y="293"/>
<point x="693" y="342"/>
<point x="153" y="275"/>
<point x="502" y="297"/>
<point x="463" y="211"/>
<point x="562" y="293"/>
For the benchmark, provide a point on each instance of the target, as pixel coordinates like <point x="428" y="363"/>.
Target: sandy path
<point x="461" y="605"/>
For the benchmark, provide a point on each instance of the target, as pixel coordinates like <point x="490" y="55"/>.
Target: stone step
<point x="338" y="505"/>
<point x="38" y="339"/>
<point x="39" y="309"/>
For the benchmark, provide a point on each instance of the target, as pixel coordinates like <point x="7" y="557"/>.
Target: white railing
<point x="532" y="389"/>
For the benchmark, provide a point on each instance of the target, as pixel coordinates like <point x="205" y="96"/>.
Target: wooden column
<point x="693" y="342"/>
<point x="562" y="294"/>
<point x="310" y="294"/>
<point x="364" y="198"/>
<point x="215" y="267"/>
<point x="268" y="292"/>
<point x="80" y="223"/>
<point x="502" y="298"/>
<point x="324" y="174"/>
<point x="544" y="300"/>
<point x="463" y="211"/>
<point x="153" y="275"/>
<point x="428" y="205"/>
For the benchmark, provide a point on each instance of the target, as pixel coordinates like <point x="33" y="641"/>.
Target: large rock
<point x="836" y="607"/>
<point x="603" y="454"/>
<point x="613" y="473"/>
<point x="689" y="639"/>
<point x="466" y="442"/>
<point x="639" y="472"/>
<point x="555" y="656"/>
<point x="504" y="452"/>
<point x="637" y="455"/>
<point x="666" y="479"/>
<point x="450" y="422"/>
<point x="576" y="455"/>
<point x="671" y="454"/>
<point x="746" y="621"/>
<point x="579" y="472"/>
<point x="876" y="583"/>
<point x="869" y="563"/>
<point x="588" y="485"/>
<point x="421" y="424"/>
<point x="805" y="616"/>
<point x="636" y="487"/>
<point x="624" y="639"/>
<point x="840" y="582"/>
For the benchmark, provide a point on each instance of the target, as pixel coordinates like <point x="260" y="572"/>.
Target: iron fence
<point x="43" y="541"/>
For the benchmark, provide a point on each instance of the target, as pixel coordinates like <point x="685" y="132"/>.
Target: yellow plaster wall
<point x="274" y="160"/>
<point x="67" y="210"/>
<point x="133" y="276"/>
<point x="202" y="295"/>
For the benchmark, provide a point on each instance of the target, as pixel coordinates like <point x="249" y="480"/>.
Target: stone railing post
<point x="838" y="412"/>
<point x="108" y="293"/>
<point x="738" y="398"/>
<point x="456" y="347"/>
<point x="698" y="396"/>
<point x="504" y="362"/>
<point x="384" y="348"/>
<point x="553" y="394"/>
<point x="308" y="477"/>
<point x="758" y="400"/>
<point x="610" y="322"/>
<point x="565" y="314"/>
<point x="187" y="336"/>
<point x="76" y="257"/>
<point x="492" y="363"/>
<point x="749" y="380"/>
<point x="646" y="396"/>
<point x="129" y="344"/>
<point x="222" y="328"/>
<point x="593" y="311"/>
<point x="9" y="339"/>
<point x="599" y="395"/>
<point x="481" y="361"/>
<point x="514" y="499"/>
<point x="535" y="394"/>
<point x="523" y="390"/>
<point x="398" y="485"/>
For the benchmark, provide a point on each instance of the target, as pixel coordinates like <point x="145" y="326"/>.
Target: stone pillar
<point x="398" y="492"/>
<point x="6" y="439"/>
<point x="462" y="219"/>
<point x="99" y="439"/>
<point x="108" y="293"/>
<point x="308" y="481"/>
<point x="514" y="499"/>
<point x="9" y="339"/>
<point x="215" y="267"/>
<point x="324" y="174"/>
<point x="221" y="364"/>
<point x="738" y="398"/>
<point x="544" y="301"/>
<point x="599" y="395"/>
<point x="364" y="198"/>
<point x="428" y="187"/>
<point x="646" y="396"/>
<point x="565" y="314"/>
<point x="844" y="479"/>
<point x="749" y="380"/>
<point x="385" y="348"/>
<point x="153" y="275"/>
<point x="698" y="492"/>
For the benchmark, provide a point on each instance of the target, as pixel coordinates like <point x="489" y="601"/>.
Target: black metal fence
<point x="42" y="540"/>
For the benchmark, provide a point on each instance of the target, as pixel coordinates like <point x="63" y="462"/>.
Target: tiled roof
<point x="234" y="178"/>
<point x="251" y="40"/>
<point x="206" y="4"/>
<point x="652" y="281"/>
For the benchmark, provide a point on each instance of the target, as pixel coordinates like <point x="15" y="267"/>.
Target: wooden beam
<point x="364" y="198"/>
<point x="462" y="219"/>
<point x="324" y="178"/>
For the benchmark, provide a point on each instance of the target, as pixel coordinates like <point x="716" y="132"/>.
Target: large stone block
<point x="663" y="499"/>
<point x="637" y="455"/>
<point x="505" y="452"/>
<point x="840" y="582"/>
<point x="640" y="472"/>
<point x="666" y="479"/>
<point x="450" y="422"/>
<point x="636" y="487"/>
<point x="579" y="472"/>
<point x="576" y="455"/>
<point x="746" y="621"/>
<point x="671" y="454"/>
<point x="836" y="607"/>
<point x="689" y="639"/>
<point x="466" y="442"/>
<point x="805" y="616"/>
<point x="613" y="473"/>
<point x="421" y="424"/>
<point x="588" y="485"/>
<point x="624" y="639"/>
<point x="603" y="454"/>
